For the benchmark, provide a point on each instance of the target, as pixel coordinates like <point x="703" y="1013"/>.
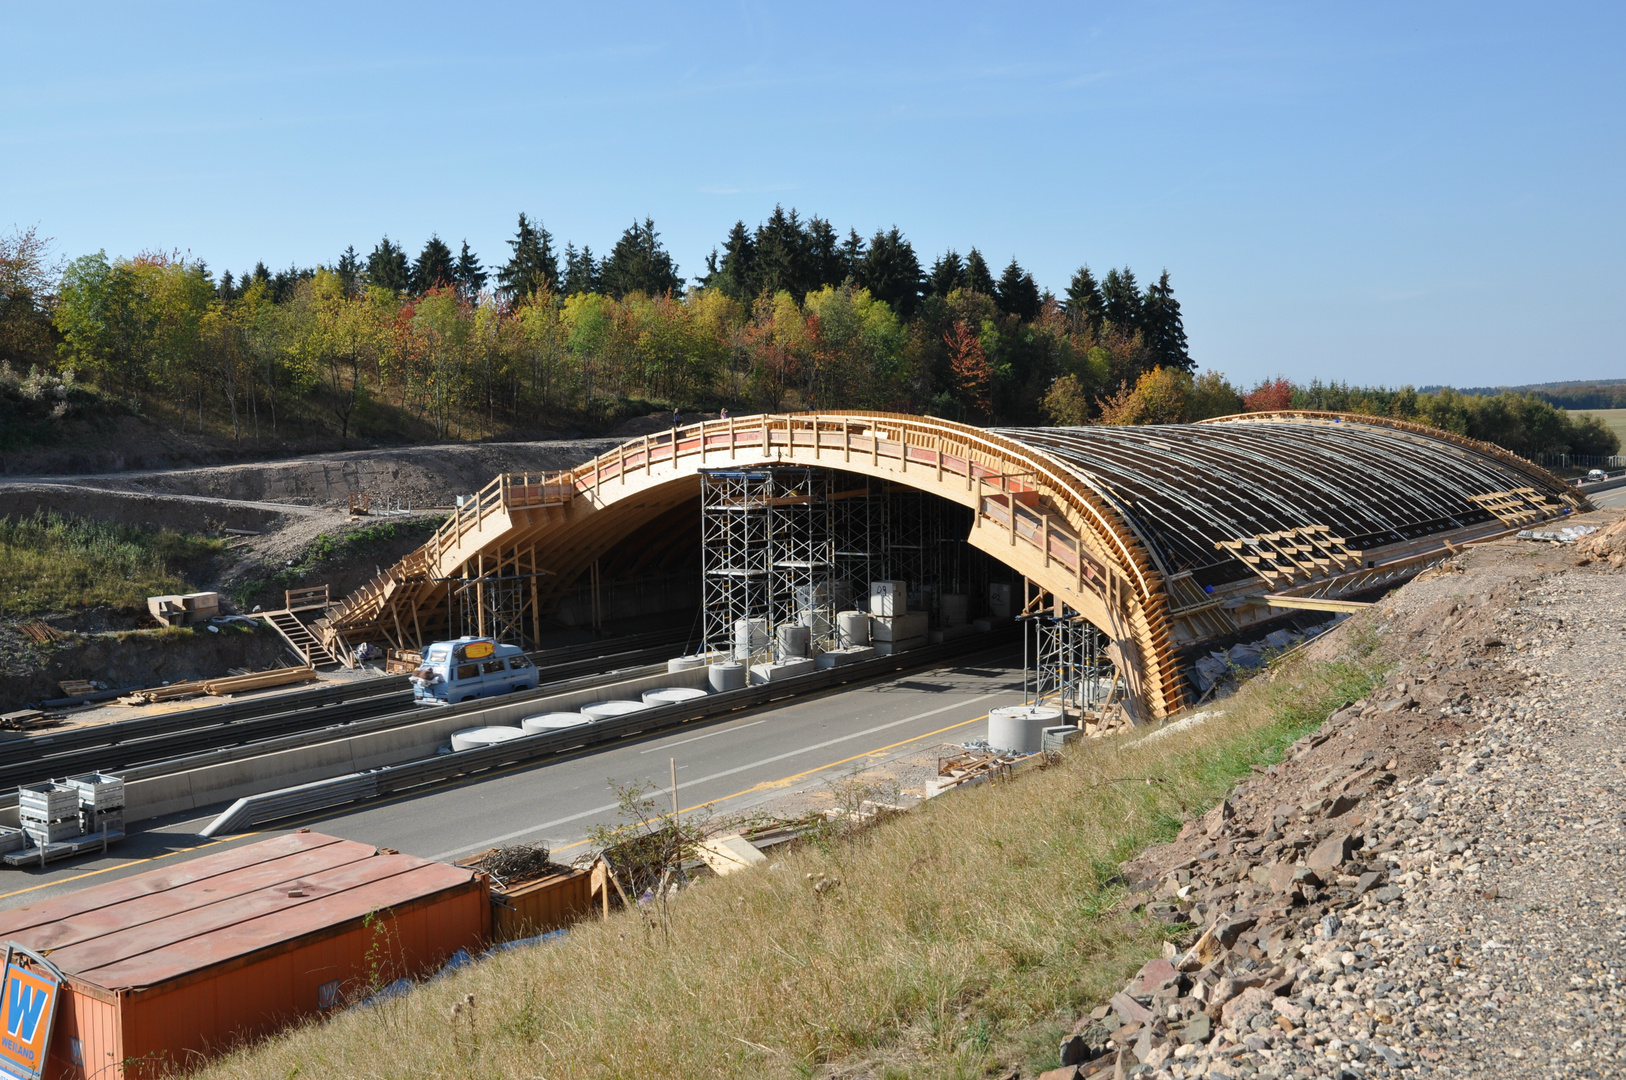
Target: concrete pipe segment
<point x="852" y="628"/>
<point x="469" y="738"/>
<point x="672" y="695"/>
<point x="554" y="721"/>
<point x="1019" y="729"/>
<point x="605" y="710"/>
<point x="727" y="676"/>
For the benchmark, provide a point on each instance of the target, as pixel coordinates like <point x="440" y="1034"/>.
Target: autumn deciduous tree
<point x="27" y="275"/>
<point x="1269" y="395"/>
<point x="1159" y="397"/>
<point x="1067" y="403"/>
<point x="973" y="379"/>
<point x="1212" y="395"/>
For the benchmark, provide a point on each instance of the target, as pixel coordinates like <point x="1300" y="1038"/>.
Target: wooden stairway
<point x="300" y="639"/>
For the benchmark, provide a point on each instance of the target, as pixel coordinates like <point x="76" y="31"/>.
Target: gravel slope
<point x="1434" y="884"/>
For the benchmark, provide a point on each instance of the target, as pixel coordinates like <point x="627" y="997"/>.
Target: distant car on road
<point x="1595" y="475"/>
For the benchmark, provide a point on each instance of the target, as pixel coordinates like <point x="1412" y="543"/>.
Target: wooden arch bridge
<point x="1171" y="539"/>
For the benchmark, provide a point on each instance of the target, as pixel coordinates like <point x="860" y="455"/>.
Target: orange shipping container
<point x="166" y="967"/>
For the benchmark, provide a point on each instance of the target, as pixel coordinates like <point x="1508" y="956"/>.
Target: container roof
<point x="164" y="924"/>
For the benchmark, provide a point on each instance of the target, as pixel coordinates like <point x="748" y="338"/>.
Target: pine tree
<point x="1165" y="330"/>
<point x="1083" y="301"/>
<point x="638" y="263"/>
<point x="782" y="254"/>
<point x="533" y="267"/>
<point x="1017" y="293"/>
<point x="827" y="265"/>
<point x="469" y="275"/>
<point x="946" y="274"/>
<point x="1120" y="300"/>
<point x="434" y="268"/>
<point x="853" y="253"/>
<point x="736" y="275"/>
<point x="284" y="282"/>
<point x="581" y="271"/>
<point x="224" y="290"/>
<point x="349" y="270"/>
<point x="891" y="272"/>
<point x="386" y="267"/>
<point x="978" y="278"/>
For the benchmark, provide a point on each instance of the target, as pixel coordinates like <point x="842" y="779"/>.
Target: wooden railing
<point x="997" y="474"/>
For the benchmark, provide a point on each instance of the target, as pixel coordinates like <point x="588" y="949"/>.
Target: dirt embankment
<point x="298" y="507"/>
<point x="419" y="476"/>
<point x="30" y="673"/>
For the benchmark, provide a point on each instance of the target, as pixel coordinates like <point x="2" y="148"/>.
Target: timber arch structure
<point x="1171" y="539"/>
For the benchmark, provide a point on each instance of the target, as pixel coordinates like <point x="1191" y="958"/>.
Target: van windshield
<point x="436" y="655"/>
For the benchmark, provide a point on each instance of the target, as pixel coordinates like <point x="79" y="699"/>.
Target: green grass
<point x="52" y="563"/>
<point x="368" y="541"/>
<point x="961" y="937"/>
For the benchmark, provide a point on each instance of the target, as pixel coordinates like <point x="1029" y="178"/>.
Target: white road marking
<point x="707" y="735"/>
<point x="495" y="840"/>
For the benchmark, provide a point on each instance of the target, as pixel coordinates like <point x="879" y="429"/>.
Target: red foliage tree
<point x="1269" y="395"/>
<point x="973" y="378"/>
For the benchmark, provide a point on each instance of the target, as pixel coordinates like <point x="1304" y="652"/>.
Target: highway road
<point x="727" y="766"/>
<point x="1614" y="498"/>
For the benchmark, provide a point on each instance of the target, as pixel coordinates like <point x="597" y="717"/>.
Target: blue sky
<point x="1381" y="193"/>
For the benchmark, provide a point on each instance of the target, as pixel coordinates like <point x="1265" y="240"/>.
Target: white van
<point x="470" y="667"/>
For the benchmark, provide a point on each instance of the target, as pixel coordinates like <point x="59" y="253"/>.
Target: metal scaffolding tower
<point x="767" y="552"/>
<point x="733" y="551"/>
<point x="796" y="544"/>
<point x="801" y="553"/>
<point x="857" y="535"/>
<point x="1067" y="663"/>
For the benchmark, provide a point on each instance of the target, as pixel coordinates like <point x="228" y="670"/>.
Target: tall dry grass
<point x="956" y="937"/>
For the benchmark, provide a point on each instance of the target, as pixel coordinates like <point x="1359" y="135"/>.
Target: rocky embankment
<point x="1434" y="883"/>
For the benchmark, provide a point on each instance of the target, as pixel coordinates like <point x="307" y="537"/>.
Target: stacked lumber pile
<point x="41" y="632"/>
<point x="172" y="692"/>
<point x="222" y="687"/>
<point x="260" y="680"/>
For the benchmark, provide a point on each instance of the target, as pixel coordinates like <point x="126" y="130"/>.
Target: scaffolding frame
<point x="801" y="554"/>
<point x="495" y="597"/>
<point x="734" y="553"/>
<point x="793" y="545"/>
<point x="1066" y="663"/>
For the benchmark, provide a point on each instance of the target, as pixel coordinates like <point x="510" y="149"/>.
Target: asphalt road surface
<point x="1615" y="497"/>
<point x="729" y="766"/>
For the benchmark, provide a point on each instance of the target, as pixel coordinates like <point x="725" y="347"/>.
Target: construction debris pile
<point x="515" y="863"/>
<point x="1219" y="666"/>
<point x="1569" y="534"/>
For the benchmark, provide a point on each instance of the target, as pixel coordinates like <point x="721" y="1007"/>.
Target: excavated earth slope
<point x="1434" y="883"/>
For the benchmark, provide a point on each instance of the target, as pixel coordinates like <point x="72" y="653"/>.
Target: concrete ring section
<point x="1173" y="540"/>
